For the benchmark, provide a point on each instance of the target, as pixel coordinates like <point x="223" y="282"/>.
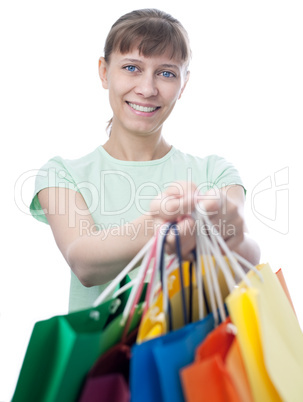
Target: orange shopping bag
<point x="218" y="373"/>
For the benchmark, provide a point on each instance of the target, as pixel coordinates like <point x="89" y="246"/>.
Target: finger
<point x="209" y="207"/>
<point x="172" y="208"/>
<point x="177" y="200"/>
<point x="187" y="232"/>
<point x="189" y="257"/>
<point x="234" y="241"/>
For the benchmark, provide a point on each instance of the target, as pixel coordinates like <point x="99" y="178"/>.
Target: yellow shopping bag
<point x="153" y="323"/>
<point x="269" y="336"/>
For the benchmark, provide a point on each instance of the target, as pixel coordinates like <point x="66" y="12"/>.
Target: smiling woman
<point x="136" y="180"/>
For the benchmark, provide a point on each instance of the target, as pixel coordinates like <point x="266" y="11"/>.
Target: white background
<point x="244" y="102"/>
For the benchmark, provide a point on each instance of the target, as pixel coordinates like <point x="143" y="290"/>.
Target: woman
<point x="104" y="207"/>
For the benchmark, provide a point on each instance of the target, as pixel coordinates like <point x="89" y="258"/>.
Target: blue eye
<point x="168" y="74"/>
<point x="130" y="68"/>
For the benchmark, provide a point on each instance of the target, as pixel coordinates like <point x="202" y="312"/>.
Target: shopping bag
<point x="157" y="317"/>
<point x="192" y="291"/>
<point x="153" y="323"/>
<point x="107" y="388"/>
<point x="116" y="360"/>
<point x="211" y="376"/>
<point x="282" y="281"/>
<point x="155" y="364"/>
<point x="269" y="336"/>
<point x="198" y="388"/>
<point x="179" y="293"/>
<point x="60" y="352"/>
<point x="243" y="311"/>
<point x="111" y="370"/>
<point x="235" y="366"/>
<point x="62" y="349"/>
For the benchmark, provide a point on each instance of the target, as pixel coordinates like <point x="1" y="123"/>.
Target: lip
<point x="141" y="113"/>
<point x="143" y="104"/>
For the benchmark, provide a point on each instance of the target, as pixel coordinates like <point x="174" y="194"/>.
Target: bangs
<point x="151" y="36"/>
<point x="153" y="39"/>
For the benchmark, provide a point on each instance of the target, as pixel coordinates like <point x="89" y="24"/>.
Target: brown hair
<point x="152" y="31"/>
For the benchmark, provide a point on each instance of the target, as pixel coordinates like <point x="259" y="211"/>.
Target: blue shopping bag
<point x="155" y="364"/>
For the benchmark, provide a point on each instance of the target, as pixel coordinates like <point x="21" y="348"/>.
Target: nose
<point x="146" y="86"/>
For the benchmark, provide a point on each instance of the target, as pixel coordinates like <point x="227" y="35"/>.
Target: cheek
<point x="173" y="93"/>
<point x="114" y="93"/>
<point x="118" y="88"/>
<point x="173" y="96"/>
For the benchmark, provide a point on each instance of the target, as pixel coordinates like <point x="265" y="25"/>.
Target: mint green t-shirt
<point x="117" y="192"/>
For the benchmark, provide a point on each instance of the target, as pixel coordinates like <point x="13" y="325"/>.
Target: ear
<point x="103" y="72"/>
<point x="185" y="83"/>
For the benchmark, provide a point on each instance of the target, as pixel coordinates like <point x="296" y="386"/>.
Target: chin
<point x="143" y="129"/>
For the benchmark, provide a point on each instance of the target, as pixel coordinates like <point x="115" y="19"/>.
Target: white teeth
<point x="142" y="108"/>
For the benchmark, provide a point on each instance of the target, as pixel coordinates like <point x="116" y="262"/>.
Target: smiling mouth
<point x="145" y="109"/>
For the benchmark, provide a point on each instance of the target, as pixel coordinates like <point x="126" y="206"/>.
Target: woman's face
<point x="142" y="90"/>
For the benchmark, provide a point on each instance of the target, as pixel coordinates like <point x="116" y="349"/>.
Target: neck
<point x="136" y="147"/>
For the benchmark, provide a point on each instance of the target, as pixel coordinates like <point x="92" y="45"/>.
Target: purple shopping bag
<point x="107" y="388"/>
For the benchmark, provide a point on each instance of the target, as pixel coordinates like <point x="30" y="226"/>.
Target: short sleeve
<point x="53" y="174"/>
<point x="222" y="173"/>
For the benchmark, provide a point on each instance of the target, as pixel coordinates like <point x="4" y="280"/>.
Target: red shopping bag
<point x="212" y="376"/>
<point x="116" y="360"/>
<point x="107" y="380"/>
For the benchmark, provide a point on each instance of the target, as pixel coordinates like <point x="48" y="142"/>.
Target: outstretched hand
<point x="223" y="207"/>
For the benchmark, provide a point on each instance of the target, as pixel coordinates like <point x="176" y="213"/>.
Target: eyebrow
<point x="165" y="65"/>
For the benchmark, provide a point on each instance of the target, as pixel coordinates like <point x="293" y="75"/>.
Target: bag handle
<point x="111" y="287"/>
<point x="234" y="259"/>
<point x="209" y="246"/>
<point x="138" y="286"/>
<point x="163" y="274"/>
<point x="157" y="255"/>
<point x="159" y="267"/>
<point x="210" y="277"/>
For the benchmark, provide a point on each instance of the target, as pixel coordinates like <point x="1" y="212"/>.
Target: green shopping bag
<point x="62" y="350"/>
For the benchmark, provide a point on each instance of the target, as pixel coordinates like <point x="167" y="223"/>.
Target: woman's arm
<point x="230" y="220"/>
<point x="95" y="257"/>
